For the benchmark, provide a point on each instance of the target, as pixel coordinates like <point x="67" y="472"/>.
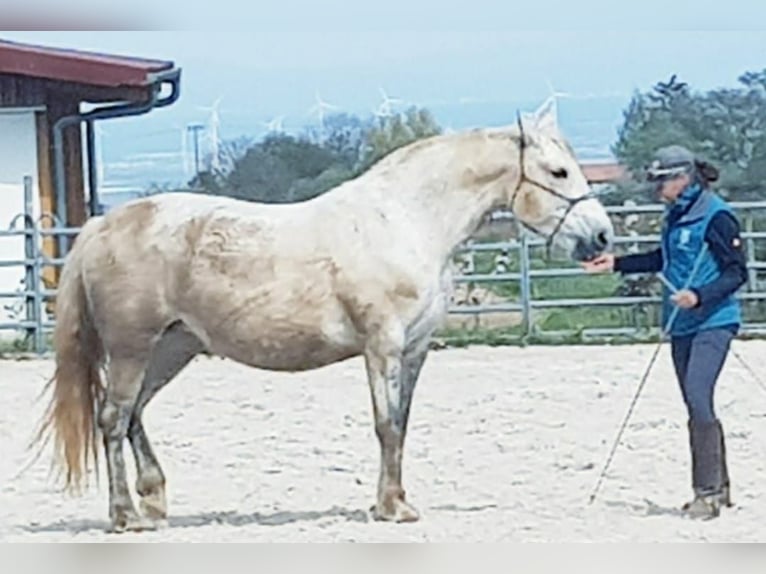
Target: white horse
<point x="362" y="270"/>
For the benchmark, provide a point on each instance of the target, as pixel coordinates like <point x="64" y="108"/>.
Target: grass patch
<point x="579" y="287"/>
<point x="580" y="318"/>
<point x="15" y="345"/>
<point x="515" y="338"/>
<point x="466" y="337"/>
<point x="22" y="346"/>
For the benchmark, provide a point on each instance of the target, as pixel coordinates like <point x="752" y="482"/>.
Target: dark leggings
<point x="698" y="360"/>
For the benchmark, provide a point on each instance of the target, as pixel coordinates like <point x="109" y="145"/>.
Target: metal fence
<point x="519" y="253"/>
<point x="27" y="304"/>
<point x="30" y="320"/>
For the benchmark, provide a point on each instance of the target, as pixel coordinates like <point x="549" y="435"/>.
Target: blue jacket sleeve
<point x="726" y="246"/>
<point x="650" y="262"/>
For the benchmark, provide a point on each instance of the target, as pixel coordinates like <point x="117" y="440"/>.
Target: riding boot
<point x="726" y="487"/>
<point x="707" y="470"/>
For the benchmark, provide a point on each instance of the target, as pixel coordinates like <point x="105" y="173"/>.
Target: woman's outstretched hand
<point x="602" y="264"/>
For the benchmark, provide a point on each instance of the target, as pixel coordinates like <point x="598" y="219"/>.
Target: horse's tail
<point x="71" y="415"/>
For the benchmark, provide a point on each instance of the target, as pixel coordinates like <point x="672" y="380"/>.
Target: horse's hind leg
<point x="171" y="354"/>
<point x="125" y="374"/>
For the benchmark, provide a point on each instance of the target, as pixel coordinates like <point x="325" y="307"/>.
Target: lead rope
<point x="665" y="332"/>
<point x="757" y="379"/>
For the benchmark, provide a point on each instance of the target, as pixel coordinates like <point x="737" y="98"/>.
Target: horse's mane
<point x="407" y="152"/>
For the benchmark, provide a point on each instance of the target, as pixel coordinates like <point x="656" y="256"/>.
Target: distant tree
<point x="395" y="131"/>
<point x="283" y="168"/>
<point x="724" y="126"/>
<point x="268" y="170"/>
<point x="344" y="134"/>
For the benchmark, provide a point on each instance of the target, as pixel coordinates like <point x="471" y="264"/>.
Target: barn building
<point x="50" y="99"/>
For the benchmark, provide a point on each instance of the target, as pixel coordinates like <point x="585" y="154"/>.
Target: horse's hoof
<point x="159" y="523"/>
<point x="132" y="523"/>
<point x="154" y="508"/>
<point x="395" y="510"/>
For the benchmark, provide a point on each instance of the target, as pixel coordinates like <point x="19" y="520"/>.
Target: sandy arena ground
<point x="505" y="444"/>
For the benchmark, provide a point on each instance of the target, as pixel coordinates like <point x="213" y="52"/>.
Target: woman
<point x="701" y="256"/>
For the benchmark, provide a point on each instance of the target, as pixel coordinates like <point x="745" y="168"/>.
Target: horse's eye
<point x="560" y="173"/>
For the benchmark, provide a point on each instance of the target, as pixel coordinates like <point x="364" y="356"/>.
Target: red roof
<point x="603" y="172"/>
<point x="78" y="66"/>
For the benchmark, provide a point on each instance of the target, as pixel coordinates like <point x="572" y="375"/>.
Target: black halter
<point x="571" y="202"/>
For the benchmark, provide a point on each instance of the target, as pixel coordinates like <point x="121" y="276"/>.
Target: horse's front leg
<point x="392" y="379"/>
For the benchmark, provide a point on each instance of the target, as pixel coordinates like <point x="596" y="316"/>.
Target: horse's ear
<point x="527" y="124"/>
<point x="546" y="119"/>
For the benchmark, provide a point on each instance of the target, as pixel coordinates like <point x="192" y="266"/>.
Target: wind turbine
<point x="553" y="96"/>
<point x="274" y="125"/>
<point x="214" y="141"/>
<point x="386" y="107"/>
<point x="319" y="109"/>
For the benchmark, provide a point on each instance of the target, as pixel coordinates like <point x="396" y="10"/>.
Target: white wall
<point x="18" y="157"/>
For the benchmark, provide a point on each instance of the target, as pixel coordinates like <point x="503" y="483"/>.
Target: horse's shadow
<point x="231" y="518"/>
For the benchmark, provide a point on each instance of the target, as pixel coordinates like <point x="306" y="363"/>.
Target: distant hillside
<point x="140" y="152"/>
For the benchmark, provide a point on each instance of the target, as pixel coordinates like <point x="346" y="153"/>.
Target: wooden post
<point x="47" y="195"/>
<point x="75" y="192"/>
<point x="75" y="179"/>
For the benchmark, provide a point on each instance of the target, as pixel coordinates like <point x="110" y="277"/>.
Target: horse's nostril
<point x="602" y="239"/>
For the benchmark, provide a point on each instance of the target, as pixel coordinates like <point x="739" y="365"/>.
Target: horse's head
<point x="547" y="191"/>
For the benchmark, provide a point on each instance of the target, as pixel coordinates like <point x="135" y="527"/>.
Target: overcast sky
<point x="265" y="59"/>
<point x="273" y="56"/>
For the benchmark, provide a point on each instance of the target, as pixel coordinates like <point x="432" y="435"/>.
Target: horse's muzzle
<point x="586" y="248"/>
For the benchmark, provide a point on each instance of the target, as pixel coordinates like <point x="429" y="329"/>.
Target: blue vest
<point x="682" y="241"/>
